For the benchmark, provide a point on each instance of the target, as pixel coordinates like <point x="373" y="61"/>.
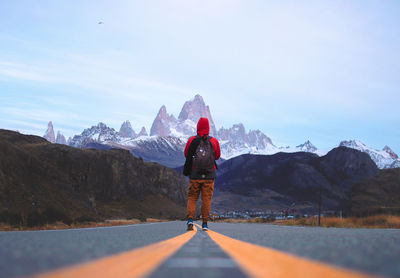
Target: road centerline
<point x="259" y="261"/>
<point x="200" y="257"/>
<point x="138" y="262"/>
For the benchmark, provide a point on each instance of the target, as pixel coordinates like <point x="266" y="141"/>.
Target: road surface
<point x="228" y="250"/>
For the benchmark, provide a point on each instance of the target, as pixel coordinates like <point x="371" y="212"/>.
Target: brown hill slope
<point x="380" y="194"/>
<point x="42" y="182"/>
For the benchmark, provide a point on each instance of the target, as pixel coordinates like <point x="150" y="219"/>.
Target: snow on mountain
<point x="395" y="164"/>
<point x="49" y="134"/>
<point x="96" y="134"/>
<point x="185" y="126"/>
<point x="235" y="141"/>
<point x="60" y="138"/>
<point x="307" y="147"/>
<point x="169" y="142"/>
<point x="168" y="136"/>
<point x="390" y="152"/>
<point x="191" y="112"/>
<point x="310" y="148"/>
<point x="384" y="159"/>
<point x="167" y="150"/>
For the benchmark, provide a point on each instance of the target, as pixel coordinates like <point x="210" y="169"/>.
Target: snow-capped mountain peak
<point x="383" y="159"/>
<point x="100" y="133"/>
<point x="235" y="141"/>
<point x="194" y="109"/>
<point x="185" y="126"/>
<point x="307" y="147"/>
<point x="169" y="136"/>
<point x="390" y="152"/>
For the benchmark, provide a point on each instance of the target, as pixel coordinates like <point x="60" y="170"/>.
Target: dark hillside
<point x="380" y="194"/>
<point x="277" y="181"/>
<point x="43" y="182"/>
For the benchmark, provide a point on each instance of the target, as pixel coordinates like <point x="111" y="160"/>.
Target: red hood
<point x="203" y="127"/>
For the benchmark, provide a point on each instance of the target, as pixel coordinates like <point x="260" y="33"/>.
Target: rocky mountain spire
<point x="49" y="135"/>
<point x="126" y="130"/>
<point x="143" y="132"/>
<point x="195" y="109"/>
<point x="162" y="123"/>
<point x="60" y="138"/>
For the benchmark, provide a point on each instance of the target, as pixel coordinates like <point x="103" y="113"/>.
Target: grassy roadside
<point x="62" y="226"/>
<point x="376" y="221"/>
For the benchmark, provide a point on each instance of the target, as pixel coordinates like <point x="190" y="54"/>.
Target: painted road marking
<point x="258" y="261"/>
<point x="211" y="262"/>
<point x="200" y="257"/>
<point x="136" y="263"/>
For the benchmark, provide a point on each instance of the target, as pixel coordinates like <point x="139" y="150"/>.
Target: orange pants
<point x="206" y="187"/>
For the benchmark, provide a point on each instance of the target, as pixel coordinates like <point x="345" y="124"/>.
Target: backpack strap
<point x="187" y="168"/>
<point x="193" y="145"/>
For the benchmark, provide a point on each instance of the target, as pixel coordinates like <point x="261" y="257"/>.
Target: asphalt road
<point x="31" y="252"/>
<point x="374" y="251"/>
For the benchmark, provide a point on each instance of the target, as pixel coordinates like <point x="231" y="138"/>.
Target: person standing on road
<point x="201" y="151"/>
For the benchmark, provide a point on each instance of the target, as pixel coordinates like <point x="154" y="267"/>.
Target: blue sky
<point x="320" y="70"/>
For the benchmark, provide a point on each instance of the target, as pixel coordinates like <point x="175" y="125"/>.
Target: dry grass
<point x="251" y="220"/>
<point x="376" y="221"/>
<point x="62" y="226"/>
<point x="231" y="220"/>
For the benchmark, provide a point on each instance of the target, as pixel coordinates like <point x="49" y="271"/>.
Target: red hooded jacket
<point x="203" y="128"/>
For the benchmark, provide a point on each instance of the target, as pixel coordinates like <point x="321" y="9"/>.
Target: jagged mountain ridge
<point x="168" y="136"/>
<point x="166" y="150"/>
<point x="307" y="147"/>
<point x="167" y="125"/>
<point x="384" y="159"/>
<point x="234" y="141"/>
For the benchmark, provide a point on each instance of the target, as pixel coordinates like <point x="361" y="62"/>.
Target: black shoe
<point x="190" y="224"/>
<point x="204" y="226"/>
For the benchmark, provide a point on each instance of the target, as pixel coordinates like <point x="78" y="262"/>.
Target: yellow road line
<point x="258" y="261"/>
<point x="136" y="263"/>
